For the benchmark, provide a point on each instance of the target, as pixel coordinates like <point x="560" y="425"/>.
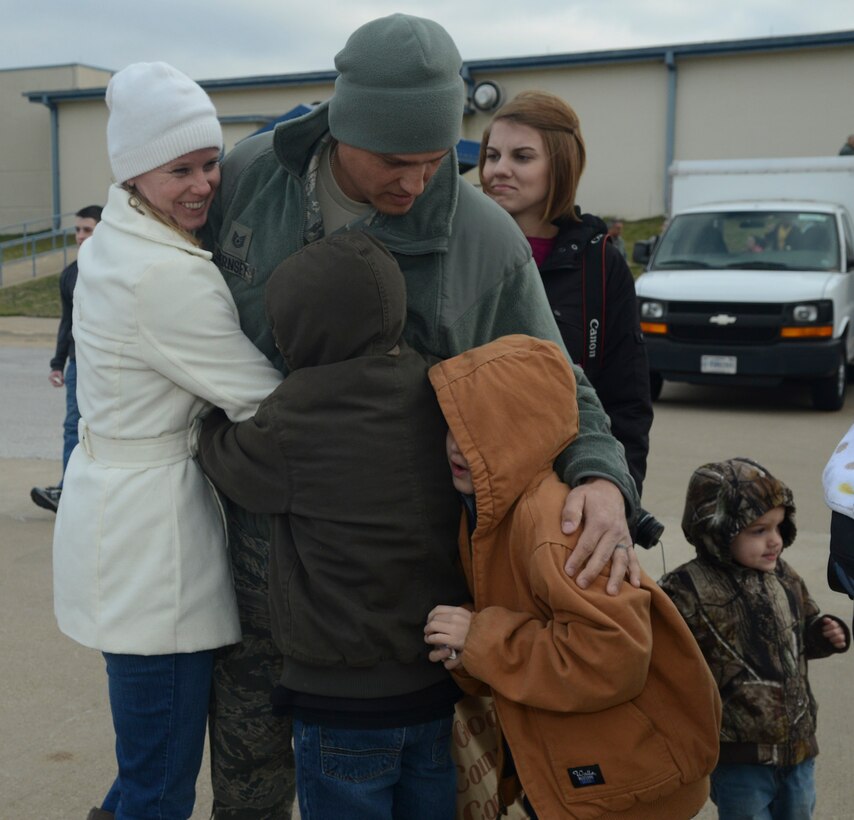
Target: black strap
<point x="593" y="305"/>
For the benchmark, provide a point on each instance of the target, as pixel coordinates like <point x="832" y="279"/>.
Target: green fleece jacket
<point x="469" y="273"/>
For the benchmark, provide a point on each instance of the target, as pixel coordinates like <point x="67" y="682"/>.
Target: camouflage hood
<point x="724" y="497"/>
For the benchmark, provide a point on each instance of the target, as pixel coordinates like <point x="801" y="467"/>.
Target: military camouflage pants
<point x="252" y="761"/>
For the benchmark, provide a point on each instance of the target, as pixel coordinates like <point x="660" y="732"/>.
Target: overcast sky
<point x="209" y="39"/>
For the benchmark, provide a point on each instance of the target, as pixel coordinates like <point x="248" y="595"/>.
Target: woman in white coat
<point x="141" y="570"/>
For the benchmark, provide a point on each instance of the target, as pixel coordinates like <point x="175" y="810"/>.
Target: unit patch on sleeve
<point x="231" y="255"/>
<point x="237" y="241"/>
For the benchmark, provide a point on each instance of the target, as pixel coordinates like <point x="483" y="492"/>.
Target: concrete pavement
<point x="56" y="757"/>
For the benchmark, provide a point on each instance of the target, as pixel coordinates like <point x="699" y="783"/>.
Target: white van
<point x="752" y="282"/>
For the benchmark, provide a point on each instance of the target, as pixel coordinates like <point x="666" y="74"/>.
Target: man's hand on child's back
<point x="599" y="505"/>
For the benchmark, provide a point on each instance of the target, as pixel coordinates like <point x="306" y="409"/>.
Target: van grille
<point x="755" y="323"/>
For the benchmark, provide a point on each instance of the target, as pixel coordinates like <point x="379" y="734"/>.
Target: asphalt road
<point x="56" y="757"/>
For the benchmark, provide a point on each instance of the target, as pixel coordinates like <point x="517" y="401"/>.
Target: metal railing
<point x="35" y="238"/>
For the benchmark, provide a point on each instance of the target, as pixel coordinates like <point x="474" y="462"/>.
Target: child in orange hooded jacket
<point x="597" y="724"/>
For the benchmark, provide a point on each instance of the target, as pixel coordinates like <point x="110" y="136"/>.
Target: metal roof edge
<point x="228" y="84"/>
<point x="267" y="80"/>
<point x="48" y="97"/>
<point x="48" y="66"/>
<point x="651" y="53"/>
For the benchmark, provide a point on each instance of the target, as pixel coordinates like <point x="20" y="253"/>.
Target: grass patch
<point x="37" y="297"/>
<point x="19" y="251"/>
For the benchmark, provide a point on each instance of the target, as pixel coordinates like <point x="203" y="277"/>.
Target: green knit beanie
<point x="399" y="90"/>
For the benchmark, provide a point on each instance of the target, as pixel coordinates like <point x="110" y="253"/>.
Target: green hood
<point x="336" y="299"/>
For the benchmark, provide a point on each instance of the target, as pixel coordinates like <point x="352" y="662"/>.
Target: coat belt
<point x="134" y="452"/>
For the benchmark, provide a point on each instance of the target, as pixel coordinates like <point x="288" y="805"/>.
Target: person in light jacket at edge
<point x="141" y="570"/>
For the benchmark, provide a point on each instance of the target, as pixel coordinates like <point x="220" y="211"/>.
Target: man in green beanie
<point x="379" y="156"/>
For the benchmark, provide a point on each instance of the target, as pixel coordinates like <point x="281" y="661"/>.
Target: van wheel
<point x="656" y="382"/>
<point x="829" y="393"/>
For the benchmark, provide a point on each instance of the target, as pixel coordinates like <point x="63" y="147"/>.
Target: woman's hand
<point x="599" y="505"/>
<point x="447" y="628"/>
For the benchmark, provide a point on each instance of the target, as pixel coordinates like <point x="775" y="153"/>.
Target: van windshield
<point x="769" y="240"/>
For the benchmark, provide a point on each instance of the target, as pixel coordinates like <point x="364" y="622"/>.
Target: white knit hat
<point x="157" y="114"/>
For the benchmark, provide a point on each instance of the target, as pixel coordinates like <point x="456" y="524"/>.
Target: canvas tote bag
<point x="475" y="750"/>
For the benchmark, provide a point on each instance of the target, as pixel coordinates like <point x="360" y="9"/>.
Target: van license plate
<point x="726" y="365"/>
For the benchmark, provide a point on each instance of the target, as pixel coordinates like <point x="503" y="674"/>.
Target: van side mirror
<point x="642" y="250"/>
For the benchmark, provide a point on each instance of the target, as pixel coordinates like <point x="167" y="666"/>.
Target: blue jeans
<point x="160" y="707"/>
<point x="747" y="792"/>
<point x="376" y="774"/>
<point x="72" y="414"/>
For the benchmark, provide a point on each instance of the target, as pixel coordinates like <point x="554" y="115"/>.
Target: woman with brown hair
<point x="532" y="156"/>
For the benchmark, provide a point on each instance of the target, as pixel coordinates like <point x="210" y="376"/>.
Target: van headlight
<point x="819" y="311"/>
<point x="651" y="310"/>
<point x="805" y="313"/>
<point x="808" y="320"/>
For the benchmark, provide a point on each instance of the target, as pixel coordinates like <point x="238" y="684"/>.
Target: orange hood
<point x="511" y="406"/>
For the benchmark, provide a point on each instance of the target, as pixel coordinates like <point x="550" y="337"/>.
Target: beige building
<point x="639" y="108"/>
<point x="26" y="136"/>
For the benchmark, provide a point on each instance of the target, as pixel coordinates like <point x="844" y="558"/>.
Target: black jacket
<point x="622" y="381"/>
<point x="64" y="339"/>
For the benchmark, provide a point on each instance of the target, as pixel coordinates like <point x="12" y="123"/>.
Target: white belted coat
<point x="140" y="558"/>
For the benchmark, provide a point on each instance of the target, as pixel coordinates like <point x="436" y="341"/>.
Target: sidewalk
<point x="21" y="270"/>
<point x="56" y="758"/>
<point x="28" y="331"/>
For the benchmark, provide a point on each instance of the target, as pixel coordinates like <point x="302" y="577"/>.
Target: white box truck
<point x="752" y="281"/>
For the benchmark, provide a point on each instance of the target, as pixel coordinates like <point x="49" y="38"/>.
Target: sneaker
<point x="96" y="813"/>
<point x="46" y="497"/>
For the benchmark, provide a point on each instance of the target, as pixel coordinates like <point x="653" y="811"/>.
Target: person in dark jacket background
<point x="532" y="156"/>
<point x="348" y="454"/>
<point x="63" y="365"/>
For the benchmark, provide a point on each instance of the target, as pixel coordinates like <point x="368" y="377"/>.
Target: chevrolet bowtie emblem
<point x="722" y="319"/>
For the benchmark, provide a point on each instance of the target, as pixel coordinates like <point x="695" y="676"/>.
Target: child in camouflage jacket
<point x="757" y="626"/>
